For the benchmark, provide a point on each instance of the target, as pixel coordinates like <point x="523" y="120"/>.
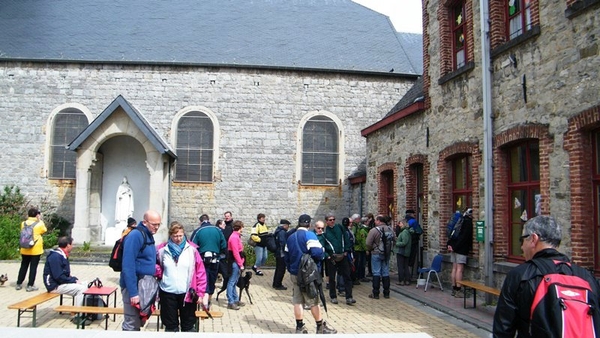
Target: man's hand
<point x="242" y="268"/>
<point x="450" y="248"/>
<point x="134" y="300"/>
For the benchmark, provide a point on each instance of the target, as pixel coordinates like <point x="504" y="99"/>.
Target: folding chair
<point x="436" y="266"/>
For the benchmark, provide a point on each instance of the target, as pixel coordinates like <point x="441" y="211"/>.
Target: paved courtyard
<point x="271" y="312"/>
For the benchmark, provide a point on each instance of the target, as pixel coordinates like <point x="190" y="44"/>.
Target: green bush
<point x="13" y="210"/>
<point x="9" y="236"/>
<point x="251" y="257"/>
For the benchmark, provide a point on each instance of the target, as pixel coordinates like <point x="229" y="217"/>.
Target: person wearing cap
<point x="300" y="242"/>
<point x="211" y="243"/>
<point x="459" y="246"/>
<point x="280" y="237"/>
<point x="338" y="247"/>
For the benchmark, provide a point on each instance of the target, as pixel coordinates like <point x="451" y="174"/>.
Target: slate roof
<point x="414" y="94"/>
<point x="138" y="119"/>
<point x="329" y="35"/>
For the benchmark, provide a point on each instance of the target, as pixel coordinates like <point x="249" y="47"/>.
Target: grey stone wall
<point x="259" y="112"/>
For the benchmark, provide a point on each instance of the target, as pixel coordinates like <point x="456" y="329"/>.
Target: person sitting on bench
<point x="57" y="272"/>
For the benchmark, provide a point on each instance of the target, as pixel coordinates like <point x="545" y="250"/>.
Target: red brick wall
<point x="501" y="179"/>
<point x="577" y="142"/>
<point x="446" y="206"/>
<point x="499" y="24"/>
<point x="444" y="16"/>
<point x="426" y="56"/>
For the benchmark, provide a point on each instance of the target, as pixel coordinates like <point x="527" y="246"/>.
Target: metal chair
<point x="436" y="267"/>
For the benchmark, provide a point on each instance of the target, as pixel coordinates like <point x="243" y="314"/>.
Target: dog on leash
<point x="3" y="279"/>
<point x="243" y="283"/>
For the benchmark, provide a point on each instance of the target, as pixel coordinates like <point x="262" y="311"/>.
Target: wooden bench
<point x="30" y="305"/>
<point x="106" y="311"/>
<point x="475" y="287"/>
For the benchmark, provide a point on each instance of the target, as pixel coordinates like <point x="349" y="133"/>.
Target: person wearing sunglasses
<point x="338" y="247"/>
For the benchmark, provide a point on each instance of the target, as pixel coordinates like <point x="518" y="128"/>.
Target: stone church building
<point x="429" y="152"/>
<point x="201" y="107"/>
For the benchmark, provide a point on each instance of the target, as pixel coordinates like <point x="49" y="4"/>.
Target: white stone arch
<point x="50" y="130"/>
<point x="216" y="132"/>
<point x="300" y="135"/>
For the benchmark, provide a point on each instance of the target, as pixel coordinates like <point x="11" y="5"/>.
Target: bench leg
<point x="34" y="316"/>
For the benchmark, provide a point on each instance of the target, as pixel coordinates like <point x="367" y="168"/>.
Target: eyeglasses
<point x="331" y="220"/>
<point x="156" y="225"/>
<point x="320" y="228"/>
<point x="522" y="238"/>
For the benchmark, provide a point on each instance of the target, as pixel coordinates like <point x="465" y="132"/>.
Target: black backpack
<point x="564" y="304"/>
<point x="386" y="241"/>
<point x="309" y="277"/>
<point x="116" y="256"/>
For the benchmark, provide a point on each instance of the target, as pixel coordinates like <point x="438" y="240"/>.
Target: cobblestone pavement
<point x="271" y="312"/>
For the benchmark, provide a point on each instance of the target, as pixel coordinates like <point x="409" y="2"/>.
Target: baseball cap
<point x="304" y="219"/>
<point x="284" y="221"/>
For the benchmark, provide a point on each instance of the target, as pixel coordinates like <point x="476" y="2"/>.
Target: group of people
<point x="185" y="269"/>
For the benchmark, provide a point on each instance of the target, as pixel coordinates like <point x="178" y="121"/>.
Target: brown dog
<point x="243" y="283"/>
<point x="3" y="279"/>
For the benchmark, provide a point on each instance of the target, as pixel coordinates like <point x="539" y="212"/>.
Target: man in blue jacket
<point x="300" y="242"/>
<point x="139" y="262"/>
<point x="57" y="272"/>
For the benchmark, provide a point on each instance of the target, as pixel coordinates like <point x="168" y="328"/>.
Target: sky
<point x="404" y="14"/>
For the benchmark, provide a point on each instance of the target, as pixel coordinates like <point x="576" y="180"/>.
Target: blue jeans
<point x="232" y="294"/>
<point x="261" y="256"/>
<point x="380" y="265"/>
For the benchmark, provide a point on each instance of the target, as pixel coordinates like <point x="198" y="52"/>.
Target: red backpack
<point x="564" y="304"/>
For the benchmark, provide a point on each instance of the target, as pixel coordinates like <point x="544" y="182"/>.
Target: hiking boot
<point x="233" y="306"/>
<point x="374" y="296"/>
<point x="459" y="293"/>
<point x="326" y="329"/>
<point x="386" y="296"/>
<point x="350" y="301"/>
<point x="31" y="288"/>
<point x="240" y="304"/>
<point x="453" y="293"/>
<point x="302" y="330"/>
<point x="341" y="293"/>
<point x="334" y="301"/>
<point x="281" y="287"/>
<point x="18" y="287"/>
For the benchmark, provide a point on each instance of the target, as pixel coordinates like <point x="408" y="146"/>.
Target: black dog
<point x="3" y="279"/>
<point x="243" y="283"/>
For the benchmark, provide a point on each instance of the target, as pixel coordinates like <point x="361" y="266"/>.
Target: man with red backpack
<point x="547" y="296"/>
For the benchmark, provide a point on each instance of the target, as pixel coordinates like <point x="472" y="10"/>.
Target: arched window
<point x="67" y="124"/>
<point x="462" y="187"/>
<point x="320" y="151"/>
<point x="195" y="148"/>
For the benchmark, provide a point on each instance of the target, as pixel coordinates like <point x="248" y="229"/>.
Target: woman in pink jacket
<point x="237" y="258"/>
<point x="182" y="280"/>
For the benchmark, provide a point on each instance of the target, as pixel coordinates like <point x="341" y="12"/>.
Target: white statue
<point x="124" y="204"/>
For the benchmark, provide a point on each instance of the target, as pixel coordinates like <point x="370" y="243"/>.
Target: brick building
<point x="253" y="107"/>
<point x="428" y="153"/>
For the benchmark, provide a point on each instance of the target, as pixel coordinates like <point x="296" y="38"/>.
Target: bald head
<point x="152" y="221"/>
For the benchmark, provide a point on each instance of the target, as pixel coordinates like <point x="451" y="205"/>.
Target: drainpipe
<point x="488" y="133"/>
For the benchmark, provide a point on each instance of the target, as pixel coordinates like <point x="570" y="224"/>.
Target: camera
<point x="193" y="295"/>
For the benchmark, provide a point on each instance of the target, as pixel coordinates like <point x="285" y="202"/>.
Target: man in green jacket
<point x="338" y="247"/>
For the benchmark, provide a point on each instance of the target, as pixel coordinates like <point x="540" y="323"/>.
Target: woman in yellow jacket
<point x="260" y="250"/>
<point x="30" y="258"/>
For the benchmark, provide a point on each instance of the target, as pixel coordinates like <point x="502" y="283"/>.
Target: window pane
<point x="518" y="164"/>
<point x="195" y="137"/>
<point x="519" y="217"/>
<point x="68" y="124"/>
<point x="534" y="160"/>
<point x="320" y="151"/>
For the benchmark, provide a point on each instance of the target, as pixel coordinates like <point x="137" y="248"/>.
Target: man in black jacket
<point x="541" y="237"/>
<point x="459" y="245"/>
<point x="280" y="239"/>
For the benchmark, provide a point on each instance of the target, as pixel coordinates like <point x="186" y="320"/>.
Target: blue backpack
<point x="452" y="223"/>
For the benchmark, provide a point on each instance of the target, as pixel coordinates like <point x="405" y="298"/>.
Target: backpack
<point x="94" y="300"/>
<point x="452" y="223"/>
<point x="386" y="242"/>
<point x="26" y="237"/>
<point x="564" y="305"/>
<point x="456" y="229"/>
<point x="309" y="277"/>
<point x="116" y="255"/>
<point x="415" y="226"/>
